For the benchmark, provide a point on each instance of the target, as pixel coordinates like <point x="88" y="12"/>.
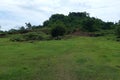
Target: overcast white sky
<point x="14" y="13"/>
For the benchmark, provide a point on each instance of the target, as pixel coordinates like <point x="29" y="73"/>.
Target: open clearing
<point x="81" y="58"/>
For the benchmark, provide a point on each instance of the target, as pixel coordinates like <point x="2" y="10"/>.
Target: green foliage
<point x="22" y="30"/>
<point x="13" y="31"/>
<point x="31" y="36"/>
<point x="79" y="20"/>
<point x="17" y="38"/>
<point x="118" y="31"/>
<point x="3" y="34"/>
<point x="88" y="25"/>
<point x="44" y="30"/>
<point x="36" y="36"/>
<point x="55" y="17"/>
<point x="78" y="14"/>
<point x="70" y="23"/>
<point x="108" y="26"/>
<point x="58" y="31"/>
<point x="92" y="24"/>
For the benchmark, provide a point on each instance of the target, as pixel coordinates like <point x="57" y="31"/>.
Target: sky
<point x="15" y="13"/>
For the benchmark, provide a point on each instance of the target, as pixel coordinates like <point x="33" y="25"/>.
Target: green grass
<point x="81" y="58"/>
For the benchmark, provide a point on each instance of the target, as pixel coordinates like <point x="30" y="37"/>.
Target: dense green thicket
<point x="59" y="25"/>
<point x="80" y="20"/>
<point x="118" y="31"/>
<point x="58" y="31"/>
<point x="31" y="36"/>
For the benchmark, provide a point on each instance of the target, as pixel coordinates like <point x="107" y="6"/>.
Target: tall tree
<point x="29" y="26"/>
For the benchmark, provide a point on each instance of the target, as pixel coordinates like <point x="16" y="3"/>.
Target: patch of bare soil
<point x="81" y="33"/>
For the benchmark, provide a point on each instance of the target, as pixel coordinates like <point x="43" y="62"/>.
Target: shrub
<point x="2" y="35"/>
<point x="30" y="37"/>
<point x="17" y="38"/>
<point x="36" y="36"/>
<point x="58" y="31"/>
<point x="117" y="31"/>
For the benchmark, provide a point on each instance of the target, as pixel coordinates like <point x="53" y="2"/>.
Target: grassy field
<point x="81" y="58"/>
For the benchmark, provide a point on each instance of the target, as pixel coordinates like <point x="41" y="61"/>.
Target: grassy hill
<point x="79" y="58"/>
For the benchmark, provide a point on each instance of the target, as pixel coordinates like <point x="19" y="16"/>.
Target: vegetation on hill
<point x="59" y="25"/>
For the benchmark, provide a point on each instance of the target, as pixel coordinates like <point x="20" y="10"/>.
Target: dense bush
<point x="2" y="34"/>
<point x="31" y="36"/>
<point x="117" y="31"/>
<point x="22" y="30"/>
<point x="36" y="36"/>
<point x="17" y="38"/>
<point x="58" y="31"/>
